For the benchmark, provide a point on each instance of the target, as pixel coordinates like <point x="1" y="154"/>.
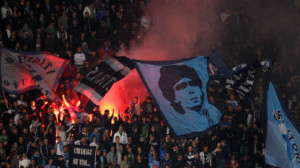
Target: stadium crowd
<point x="31" y="135"/>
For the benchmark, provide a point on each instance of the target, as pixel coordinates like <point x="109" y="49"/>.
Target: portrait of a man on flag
<point x="179" y="89"/>
<point x="184" y="81"/>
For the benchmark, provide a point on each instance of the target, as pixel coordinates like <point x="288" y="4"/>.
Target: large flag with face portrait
<point x="282" y="132"/>
<point x="179" y="89"/>
<point x="24" y="71"/>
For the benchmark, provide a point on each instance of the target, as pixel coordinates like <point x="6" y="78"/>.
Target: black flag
<point x="97" y="82"/>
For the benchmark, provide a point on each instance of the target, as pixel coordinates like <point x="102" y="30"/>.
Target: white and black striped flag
<point x="97" y="82"/>
<point x="239" y="78"/>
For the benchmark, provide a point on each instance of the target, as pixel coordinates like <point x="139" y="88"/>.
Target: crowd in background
<point x="86" y="31"/>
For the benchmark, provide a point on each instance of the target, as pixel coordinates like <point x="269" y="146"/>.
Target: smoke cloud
<point x="277" y="22"/>
<point x="241" y="30"/>
<point x="179" y="29"/>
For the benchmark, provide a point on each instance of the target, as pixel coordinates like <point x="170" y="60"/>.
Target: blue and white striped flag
<point x="97" y="82"/>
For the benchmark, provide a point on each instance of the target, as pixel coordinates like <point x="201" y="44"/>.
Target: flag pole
<point x="1" y="85"/>
<point x="252" y="106"/>
<point x="5" y="99"/>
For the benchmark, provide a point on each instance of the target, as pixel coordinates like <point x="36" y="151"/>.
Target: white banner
<point x="21" y="72"/>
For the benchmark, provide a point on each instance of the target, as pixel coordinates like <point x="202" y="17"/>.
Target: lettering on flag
<point x="282" y="132"/>
<point x="21" y="72"/>
<point x="97" y="82"/>
<point x="82" y="156"/>
<point x="239" y="78"/>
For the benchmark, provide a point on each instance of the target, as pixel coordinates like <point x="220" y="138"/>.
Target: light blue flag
<point x="282" y="136"/>
<point x="179" y="89"/>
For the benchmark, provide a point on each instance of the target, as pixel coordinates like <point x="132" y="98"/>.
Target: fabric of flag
<point x="97" y="82"/>
<point x="239" y="78"/>
<point x="179" y="89"/>
<point x="282" y="132"/>
<point x="24" y="71"/>
<point x="82" y="156"/>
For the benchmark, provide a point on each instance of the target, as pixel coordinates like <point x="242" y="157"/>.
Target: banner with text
<point x="97" y="82"/>
<point x="82" y="156"/>
<point x="239" y="78"/>
<point x="24" y="71"/>
<point x="282" y="132"/>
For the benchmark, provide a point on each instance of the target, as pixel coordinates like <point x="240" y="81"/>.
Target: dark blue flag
<point x="217" y="65"/>
<point x="239" y="78"/>
<point x="282" y="132"/>
<point x="179" y="89"/>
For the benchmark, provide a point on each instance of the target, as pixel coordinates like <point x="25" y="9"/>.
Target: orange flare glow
<point x="91" y="116"/>
<point x="78" y="103"/>
<point x="65" y="101"/>
<point x="111" y="107"/>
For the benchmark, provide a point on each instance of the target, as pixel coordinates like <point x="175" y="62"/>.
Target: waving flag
<point x="179" y="90"/>
<point x="239" y="78"/>
<point x="23" y="71"/>
<point x="282" y="133"/>
<point x="97" y="82"/>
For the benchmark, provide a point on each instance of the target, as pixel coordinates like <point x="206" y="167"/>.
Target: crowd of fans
<point x="76" y="30"/>
<point x="33" y="136"/>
